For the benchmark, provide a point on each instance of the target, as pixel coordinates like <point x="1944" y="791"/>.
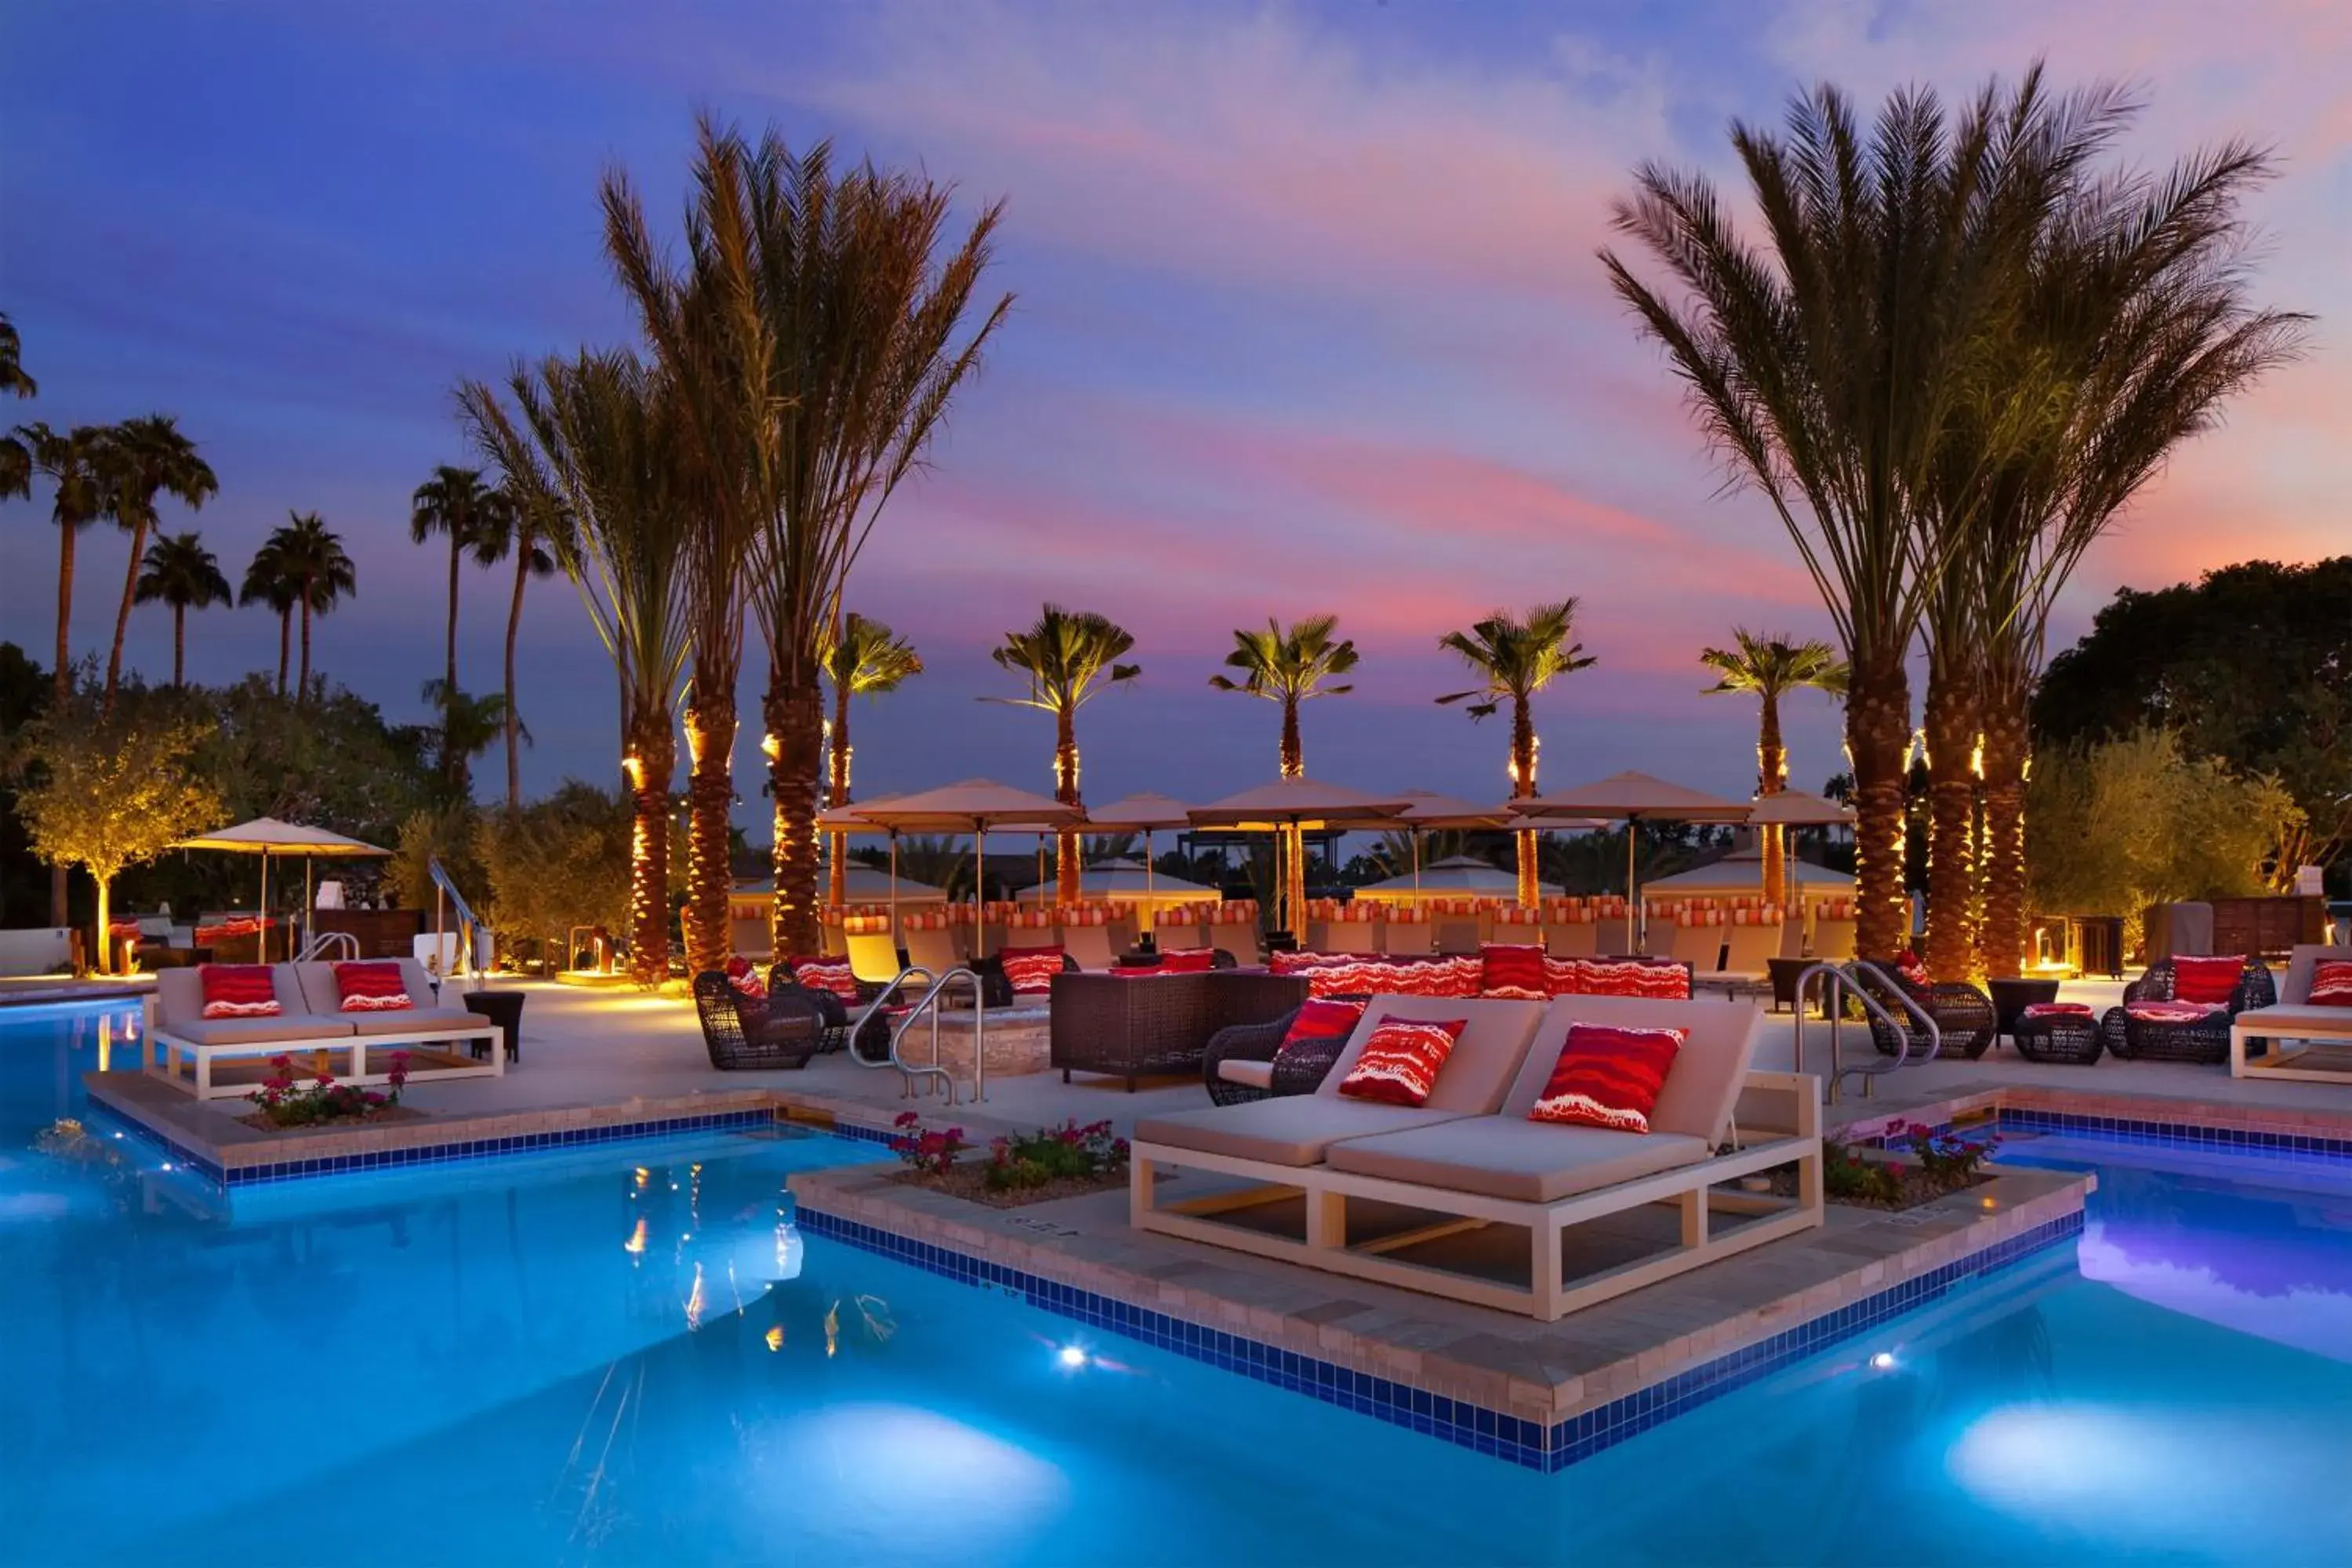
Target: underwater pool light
<point x="1883" y="1362"/>
<point x="1071" y="1357"/>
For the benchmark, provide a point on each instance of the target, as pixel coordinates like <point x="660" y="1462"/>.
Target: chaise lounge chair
<point x="739" y="1032"/>
<point x="2322" y="1033"/>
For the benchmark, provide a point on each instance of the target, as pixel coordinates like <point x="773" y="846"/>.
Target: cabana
<point x="1631" y="798"/>
<point x="1457" y="877"/>
<point x="266" y="836"/>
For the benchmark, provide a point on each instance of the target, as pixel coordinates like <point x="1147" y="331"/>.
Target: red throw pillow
<point x="1321" y="1020"/>
<point x="238" y="991"/>
<point x="2212" y="981"/>
<point x="1512" y="972"/>
<point x="2331" y="983"/>
<point x="833" y="974"/>
<point x="1188" y="960"/>
<point x="1400" y="1063"/>
<point x="1300" y="960"/>
<point x="1633" y="977"/>
<point x="2171" y="1012"/>
<point x="1608" y="1077"/>
<point x="2057" y="1010"/>
<point x="1030" y="970"/>
<point x="374" y="987"/>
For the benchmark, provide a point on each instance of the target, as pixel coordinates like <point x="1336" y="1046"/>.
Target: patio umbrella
<point x="1288" y="809"/>
<point x="846" y="819"/>
<point x="1791" y="808"/>
<point x="1629" y="798"/>
<point x="1427" y="812"/>
<point x="266" y="836"/>
<point x="1142" y="814"/>
<point x="974" y="806"/>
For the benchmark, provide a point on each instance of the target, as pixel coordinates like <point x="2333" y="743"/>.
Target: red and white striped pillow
<point x="1516" y="972"/>
<point x="1400" y="1063"/>
<point x="1608" y="1077"/>
<point x="2331" y="983"/>
<point x="833" y="974"/>
<point x="372" y="987"/>
<point x="1030" y="970"/>
<point x="238" y="991"/>
<point x="1632" y="977"/>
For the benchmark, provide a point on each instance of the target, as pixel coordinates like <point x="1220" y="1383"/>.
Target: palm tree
<point x="180" y="571"/>
<point x="268" y="582"/>
<point x="150" y="458"/>
<point x="455" y="504"/>
<point x="867" y="661"/>
<point x="1771" y="667"/>
<point x="76" y="463"/>
<point x="1069" y="658"/>
<point x="310" y="556"/>
<point x="590" y="454"/>
<point x="506" y="530"/>
<point x="837" y="316"/>
<point x="1288" y="667"/>
<point x="1515" y="658"/>
<point x="13" y="379"/>
<point x="1827" y="364"/>
<point x="469" y="725"/>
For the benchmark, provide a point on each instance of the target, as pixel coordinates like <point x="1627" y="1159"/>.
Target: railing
<point x="341" y="944"/>
<point x="1838" y="982"/>
<point x="930" y="1002"/>
<point x="470" y="929"/>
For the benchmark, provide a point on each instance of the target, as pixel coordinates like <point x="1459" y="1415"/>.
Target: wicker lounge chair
<point x="2204" y="1039"/>
<point x="1248" y="1061"/>
<point x="1965" y="1019"/>
<point x="740" y="1031"/>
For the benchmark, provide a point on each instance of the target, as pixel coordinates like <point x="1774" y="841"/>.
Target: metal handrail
<point x="1842" y="982"/>
<point x="342" y="943"/>
<point x="930" y="1002"/>
<point x="471" y="928"/>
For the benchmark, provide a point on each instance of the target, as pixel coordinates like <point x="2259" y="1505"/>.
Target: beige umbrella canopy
<point x="1142" y="814"/>
<point x="972" y="806"/>
<point x="1795" y="808"/>
<point x="266" y="836"/>
<point x="1288" y="807"/>
<point x="1631" y="798"/>
<point x="1427" y="812"/>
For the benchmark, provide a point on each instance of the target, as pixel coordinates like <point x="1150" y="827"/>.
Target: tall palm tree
<point x="151" y="459"/>
<point x="310" y="556"/>
<point x="77" y="464"/>
<point x="1826" y="363"/>
<point x="1290" y="667"/>
<point x="1069" y="658"/>
<point x="1515" y="658"/>
<point x="268" y="582"/>
<point x="457" y="506"/>
<point x="838" y="310"/>
<point x="180" y="571"/>
<point x="13" y="379"/>
<point x="590" y="450"/>
<point x="507" y="529"/>
<point x="867" y="661"/>
<point x="1771" y="667"/>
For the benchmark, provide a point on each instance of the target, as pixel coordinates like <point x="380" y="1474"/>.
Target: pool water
<point x="628" y="1355"/>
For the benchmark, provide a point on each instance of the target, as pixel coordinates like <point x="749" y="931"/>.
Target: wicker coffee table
<point x="2069" y="1039"/>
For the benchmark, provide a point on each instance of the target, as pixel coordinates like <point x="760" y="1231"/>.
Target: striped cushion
<point x="1632" y="977"/>
<point x="2212" y="981"/>
<point x="1512" y="972"/>
<point x="2173" y="1012"/>
<point x="1030" y="970"/>
<point x="2057" y="1010"/>
<point x="833" y="974"/>
<point x="238" y="991"/>
<point x="1187" y="960"/>
<point x="1377" y="977"/>
<point x="1400" y="1063"/>
<point x="372" y="987"/>
<point x="1608" y="1077"/>
<point x="2331" y="983"/>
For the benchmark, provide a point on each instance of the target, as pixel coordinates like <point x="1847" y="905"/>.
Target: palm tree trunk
<point x="62" y="692"/>
<point x="453" y="615"/>
<point x="1294" y="753"/>
<point x="1523" y="784"/>
<point x="1878" y="734"/>
<point x="178" y="646"/>
<point x="302" y="688"/>
<point x="122" y="615"/>
<point x="836" y="892"/>
<point x="1067" y="887"/>
<point x="2003" y="938"/>
<point x="710" y="797"/>
<point x="653" y="758"/>
<point x="514" y="718"/>
<point x="285" y="640"/>
<point x="1771" y="778"/>
<point x="1951" y="724"/>
<point x="794" y="709"/>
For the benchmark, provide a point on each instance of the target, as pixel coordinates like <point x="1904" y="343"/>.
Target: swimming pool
<point x="514" y="1363"/>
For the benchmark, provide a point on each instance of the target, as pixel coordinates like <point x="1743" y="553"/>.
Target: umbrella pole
<point x="979" y="877"/>
<point x="261" y="937"/>
<point x="1635" y="922"/>
<point x="894" y="884"/>
<point x="1150" y="910"/>
<point x="309" y="900"/>
<point x="1416" y="868"/>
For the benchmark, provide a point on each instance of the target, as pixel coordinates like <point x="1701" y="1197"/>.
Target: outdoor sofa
<point x="2322" y="1033"/>
<point x="309" y="1021"/>
<point x="1138" y="1024"/>
<point x="1390" y="1193"/>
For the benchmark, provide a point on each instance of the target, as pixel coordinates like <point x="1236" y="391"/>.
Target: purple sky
<point x="1308" y="320"/>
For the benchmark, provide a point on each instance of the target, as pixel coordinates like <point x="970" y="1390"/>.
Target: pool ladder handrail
<point x="342" y="945"/>
<point x="930" y="1002"/>
<point x="1841" y="981"/>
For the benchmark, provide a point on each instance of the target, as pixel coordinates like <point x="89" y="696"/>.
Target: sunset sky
<point x="1308" y="319"/>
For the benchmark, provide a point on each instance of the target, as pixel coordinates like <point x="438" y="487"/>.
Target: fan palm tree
<point x="1827" y="363"/>
<point x="1069" y="658"/>
<point x="267" y="582"/>
<point x="458" y="507"/>
<point x="589" y="453"/>
<point x="151" y="459"/>
<point x="78" y="464"/>
<point x="469" y="726"/>
<point x="867" y="661"/>
<point x="838" y="306"/>
<point x="1515" y="658"/>
<point x="309" y="555"/>
<point x="13" y="379"/>
<point x="1290" y="667"/>
<point x="506" y="531"/>
<point x="1771" y="667"/>
<point x="180" y="571"/>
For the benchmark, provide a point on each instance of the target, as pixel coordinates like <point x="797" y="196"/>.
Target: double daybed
<point x="1463" y="1195"/>
<point x="2314" y="1011"/>
<point x="312" y="1021"/>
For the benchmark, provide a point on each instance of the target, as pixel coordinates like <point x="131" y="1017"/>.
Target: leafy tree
<point x="469" y="726"/>
<point x="1517" y="657"/>
<point x="558" y="863"/>
<point x="180" y="571"/>
<point x="1290" y="666"/>
<point x="1771" y="667"/>
<point x="1069" y="658"/>
<point x="2252" y="664"/>
<point x="333" y="761"/>
<point x="866" y="659"/>
<point x="108" y="793"/>
<point x="148" y="458"/>
<point x="449" y="833"/>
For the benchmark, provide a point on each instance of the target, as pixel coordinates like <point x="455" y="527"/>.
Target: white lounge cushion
<point x="287" y="1028"/>
<point x="1486" y="1055"/>
<point x="1294" y="1130"/>
<point x="2283" y="1020"/>
<point x="417" y="1021"/>
<point x="1241" y="1070"/>
<point x="1508" y="1157"/>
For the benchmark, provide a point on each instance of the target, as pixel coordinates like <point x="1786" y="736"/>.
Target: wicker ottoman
<point x="2069" y="1039"/>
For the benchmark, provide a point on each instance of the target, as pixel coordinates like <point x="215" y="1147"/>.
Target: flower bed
<point x="280" y="1106"/>
<point x="1064" y="1161"/>
<point x="1939" y="1165"/>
